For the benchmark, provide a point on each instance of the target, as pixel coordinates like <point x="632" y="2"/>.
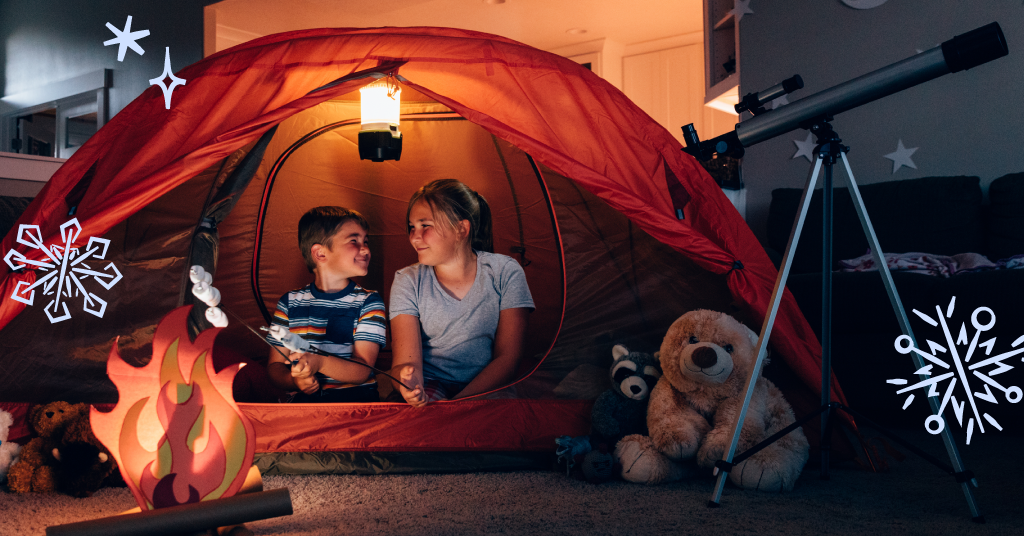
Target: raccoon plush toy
<point x="617" y="412"/>
<point x="622" y="410"/>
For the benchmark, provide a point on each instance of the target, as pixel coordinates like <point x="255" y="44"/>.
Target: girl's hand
<point x="416" y="397"/>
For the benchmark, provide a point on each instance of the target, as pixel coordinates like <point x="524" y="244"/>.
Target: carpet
<point x="912" y="497"/>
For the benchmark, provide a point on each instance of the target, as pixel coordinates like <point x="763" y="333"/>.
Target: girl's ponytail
<point x="483" y="239"/>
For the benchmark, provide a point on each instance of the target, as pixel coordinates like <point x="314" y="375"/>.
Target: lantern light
<point x="380" y="106"/>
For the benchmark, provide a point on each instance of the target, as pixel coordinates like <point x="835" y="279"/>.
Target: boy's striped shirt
<point x="332" y="321"/>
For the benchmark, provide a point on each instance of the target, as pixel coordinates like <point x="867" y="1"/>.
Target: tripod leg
<point x="825" y="445"/>
<point x="901" y="316"/>
<point x="766" y="328"/>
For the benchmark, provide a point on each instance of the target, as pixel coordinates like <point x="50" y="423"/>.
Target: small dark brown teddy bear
<point x="34" y="470"/>
<point x="65" y="457"/>
<point x="84" y="464"/>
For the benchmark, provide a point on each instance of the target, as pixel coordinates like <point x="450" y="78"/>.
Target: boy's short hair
<point x="318" y="225"/>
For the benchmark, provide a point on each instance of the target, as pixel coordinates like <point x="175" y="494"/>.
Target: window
<point x="35" y="133"/>
<point x="56" y="119"/>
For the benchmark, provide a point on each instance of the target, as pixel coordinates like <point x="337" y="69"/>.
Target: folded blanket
<point x="1016" y="261"/>
<point x="930" y="264"/>
<point x="973" y="262"/>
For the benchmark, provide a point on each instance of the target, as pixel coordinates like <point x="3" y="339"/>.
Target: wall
<point x="45" y="41"/>
<point x="668" y="84"/>
<point x="23" y="175"/>
<point x="966" y="123"/>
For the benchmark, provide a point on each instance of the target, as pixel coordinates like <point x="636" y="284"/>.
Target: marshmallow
<point x="206" y="293"/>
<point x="196" y="273"/>
<point x="290" y="340"/>
<point x="217" y="317"/>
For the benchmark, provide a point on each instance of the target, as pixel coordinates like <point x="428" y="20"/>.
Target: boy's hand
<point x="304" y="376"/>
<point x="416" y="397"/>
<point x="308" y="385"/>
<point x="311" y="362"/>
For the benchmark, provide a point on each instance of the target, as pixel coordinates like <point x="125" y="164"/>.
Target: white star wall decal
<point x="901" y="157"/>
<point x="159" y="81"/>
<point x="126" y="39"/>
<point x="779" y="101"/>
<point x="805" y="148"/>
<point x="741" y="8"/>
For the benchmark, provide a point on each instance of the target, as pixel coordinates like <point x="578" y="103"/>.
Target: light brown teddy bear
<point x="706" y="358"/>
<point x="35" y="468"/>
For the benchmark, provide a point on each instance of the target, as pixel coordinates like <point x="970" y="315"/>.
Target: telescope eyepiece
<point x="975" y="47"/>
<point x="793" y="83"/>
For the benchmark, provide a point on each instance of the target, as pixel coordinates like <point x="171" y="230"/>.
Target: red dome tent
<point x="584" y="186"/>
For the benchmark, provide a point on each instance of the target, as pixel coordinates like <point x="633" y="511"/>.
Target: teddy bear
<point x="706" y="358"/>
<point x="618" y="411"/>
<point x="35" y="469"/>
<point x="84" y="464"/>
<point x="8" y="449"/>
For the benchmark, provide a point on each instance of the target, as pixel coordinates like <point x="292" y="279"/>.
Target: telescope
<point x="815" y="114"/>
<point x="959" y="53"/>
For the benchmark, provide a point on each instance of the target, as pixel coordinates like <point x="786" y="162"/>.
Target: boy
<point x="332" y="313"/>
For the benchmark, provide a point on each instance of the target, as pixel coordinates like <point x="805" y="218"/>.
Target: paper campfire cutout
<point x="176" y="432"/>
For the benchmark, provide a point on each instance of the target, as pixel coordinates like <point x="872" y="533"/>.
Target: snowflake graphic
<point x="65" y="268"/>
<point x="958" y="372"/>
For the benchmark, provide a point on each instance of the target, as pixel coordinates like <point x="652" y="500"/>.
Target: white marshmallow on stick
<point x="216" y="317"/>
<point x="197" y="274"/>
<point x="290" y="340"/>
<point x="206" y="293"/>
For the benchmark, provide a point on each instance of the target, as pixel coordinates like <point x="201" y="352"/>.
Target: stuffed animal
<point x="618" y="411"/>
<point x="35" y="469"/>
<point x="598" y="465"/>
<point x="84" y="464"/>
<point x="707" y="358"/>
<point x="8" y="449"/>
<point x="622" y="410"/>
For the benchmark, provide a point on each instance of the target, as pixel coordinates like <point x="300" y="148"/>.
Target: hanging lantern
<point x="379" y="137"/>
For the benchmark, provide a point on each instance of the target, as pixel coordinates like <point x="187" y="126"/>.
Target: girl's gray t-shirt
<point x="458" y="335"/>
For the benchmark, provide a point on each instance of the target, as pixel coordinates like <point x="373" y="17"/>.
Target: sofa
<point x="938" y="215"/>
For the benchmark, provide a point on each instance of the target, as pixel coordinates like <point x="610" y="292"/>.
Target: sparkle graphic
<point x="159" y="81"/>
<point x="126" y="39"/>
<point x="961" y="371"/>
<point x="901" y="157"/>
<point x="66" y="270"/>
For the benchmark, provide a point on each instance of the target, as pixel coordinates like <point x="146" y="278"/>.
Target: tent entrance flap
<point x="219" y="202"/>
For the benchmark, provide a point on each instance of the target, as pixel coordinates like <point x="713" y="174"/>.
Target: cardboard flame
<point x="176" y="432"/>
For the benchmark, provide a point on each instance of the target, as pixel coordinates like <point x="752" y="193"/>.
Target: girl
<point x="458" y="317"/>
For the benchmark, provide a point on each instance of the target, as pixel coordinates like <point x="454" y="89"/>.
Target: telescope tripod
<point x="829" y="151"/>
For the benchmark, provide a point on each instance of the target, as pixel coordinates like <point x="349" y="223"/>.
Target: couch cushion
<point x="1006" y="216"/>
<point x="860" y="303"/>
<point x="940" y="215"/>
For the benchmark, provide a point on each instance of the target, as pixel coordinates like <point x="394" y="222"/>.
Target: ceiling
<point x="543" y="24"/>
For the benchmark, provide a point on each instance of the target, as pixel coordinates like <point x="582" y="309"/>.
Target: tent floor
<point x="377" y="463"/>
